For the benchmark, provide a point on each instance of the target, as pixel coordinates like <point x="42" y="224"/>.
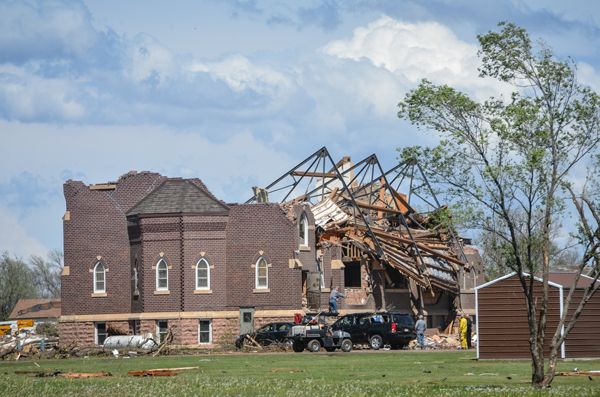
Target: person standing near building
<point x="333" y="298"/>
<point x="469" y="330"/>
<point x="420" y="328"/>
<point x="462" y="329"/>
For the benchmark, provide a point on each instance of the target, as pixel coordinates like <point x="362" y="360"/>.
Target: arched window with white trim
<point x="202" y="274"/>
<point x="162" y="276"/>
<point x="303" y="230"/>
<point x="262" y="273"/>
<point x="99" y="278"/>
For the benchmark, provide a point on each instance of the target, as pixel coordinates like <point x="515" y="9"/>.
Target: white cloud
<point x="588" y="75"/>
<point x="36" y="29"/>
<point x="25" y="96"/>
<point x="239" y="73"/>
<point x="413" y="51"/>
<point x="15" y="238"/>
<point x="148" y="59"/>
<point x="102" y="154"/>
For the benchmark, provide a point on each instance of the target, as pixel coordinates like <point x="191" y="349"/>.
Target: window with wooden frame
<point x="204" y="331"/>
<point x="101" y="333"/>
<point x="202" y="275"/>
<point x="162" y="330"/>
<point x="262" y="273"/>
<point x="99" y="278"/>
<point x="162" y="276"/>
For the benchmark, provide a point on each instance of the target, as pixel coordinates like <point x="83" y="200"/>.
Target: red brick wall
<point x="153" y="244"/>
<point x="262" y="227"/>
<point x="98" y="227"/>
<point x="205" y="234"/>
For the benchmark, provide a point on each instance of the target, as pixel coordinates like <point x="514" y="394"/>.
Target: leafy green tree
<point x="16" y="282"/>
<point x="512" y="162"/>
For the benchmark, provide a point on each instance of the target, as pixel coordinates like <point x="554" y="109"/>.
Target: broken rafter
<point x="420" y="245"/>
<point x="314" y="174"/>
<point x="362" y="204"/>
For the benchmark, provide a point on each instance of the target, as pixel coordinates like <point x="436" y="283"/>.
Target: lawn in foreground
<point x="304" y="374"/>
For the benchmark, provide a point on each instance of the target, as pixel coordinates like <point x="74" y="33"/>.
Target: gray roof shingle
<point x="178" y="196"/>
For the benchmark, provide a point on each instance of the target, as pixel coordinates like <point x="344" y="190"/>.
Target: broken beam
<point x="314" y="174"/>
<point x="363" y="204"/>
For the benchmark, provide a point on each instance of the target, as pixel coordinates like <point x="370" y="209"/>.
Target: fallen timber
<point x="360" y="204"/>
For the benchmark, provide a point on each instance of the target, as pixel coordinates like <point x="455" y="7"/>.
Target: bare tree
<point x="46" y="273"/>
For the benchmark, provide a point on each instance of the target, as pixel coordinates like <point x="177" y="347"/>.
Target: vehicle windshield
<point x="403" y="320"/>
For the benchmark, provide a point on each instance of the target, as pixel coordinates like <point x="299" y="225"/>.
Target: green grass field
<point x="298" y="374"/>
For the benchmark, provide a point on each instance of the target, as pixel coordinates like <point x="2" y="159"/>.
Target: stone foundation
<point x="185" y="331"/>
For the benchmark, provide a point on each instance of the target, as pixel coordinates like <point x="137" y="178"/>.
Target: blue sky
<point x="233" y="92"/>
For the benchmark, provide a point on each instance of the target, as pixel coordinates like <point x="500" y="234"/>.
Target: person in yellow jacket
<point x="462" y="328"/>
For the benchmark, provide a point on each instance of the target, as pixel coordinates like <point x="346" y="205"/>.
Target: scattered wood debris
<point x="160" y="371"/>
<point x="68" y="375"/>
<point x="579" y="373"/>
<point x="81" y="375"/>
<point x="288" y="370"/>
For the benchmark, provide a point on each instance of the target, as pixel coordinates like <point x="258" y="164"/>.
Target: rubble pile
<point x="361" y="208"/>
<point x="23" y="345"/>
<point x="438" y="342"/>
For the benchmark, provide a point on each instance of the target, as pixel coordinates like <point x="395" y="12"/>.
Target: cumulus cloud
<point x="44" y="28"/>
<point x="240" y="74"/>
<point x="149" y="61"/>
<point x="413" y="51"/>
<point x="28" y="97"/>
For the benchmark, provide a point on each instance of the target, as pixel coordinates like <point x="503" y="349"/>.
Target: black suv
<point x="378" y="329"/>
<point x="267" y="334"/>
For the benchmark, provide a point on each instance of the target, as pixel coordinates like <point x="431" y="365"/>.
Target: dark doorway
<point x="352" y="276"/>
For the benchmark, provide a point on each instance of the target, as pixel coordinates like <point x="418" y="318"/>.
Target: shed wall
<point x="503" y="327"/>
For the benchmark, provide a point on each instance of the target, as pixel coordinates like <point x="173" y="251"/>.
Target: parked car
<point x="267" y="334"/>
<point x="378" y="329"/>
<point x="314" y="336"/>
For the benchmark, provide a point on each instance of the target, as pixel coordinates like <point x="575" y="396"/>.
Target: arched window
<point x="303" y="229"/>
<point x="99" y="278"/>
<point x="162" y="275"/>
<point x="202" y="274"/>
<point x="262" y="273"/>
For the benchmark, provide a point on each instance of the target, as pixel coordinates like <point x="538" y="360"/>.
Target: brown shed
<point x="502" y="328"/>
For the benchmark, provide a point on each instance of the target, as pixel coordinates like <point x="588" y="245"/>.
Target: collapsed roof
<point x="393" y="217"/>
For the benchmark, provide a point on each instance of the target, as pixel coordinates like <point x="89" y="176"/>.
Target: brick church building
<point x="147" y="253"/>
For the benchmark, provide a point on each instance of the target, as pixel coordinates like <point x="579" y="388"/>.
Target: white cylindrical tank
<point x="144" y="342"/>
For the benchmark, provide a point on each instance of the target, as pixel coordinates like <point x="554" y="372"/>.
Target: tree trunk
<point x="553" y="360"/>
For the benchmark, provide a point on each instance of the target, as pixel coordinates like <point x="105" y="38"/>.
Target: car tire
<point x="313" y="345"/>
<point x="298" y="347"/>
<point x="376" y="342"/>
<point x="346" y="345"/>
<point x="288" y="344"/>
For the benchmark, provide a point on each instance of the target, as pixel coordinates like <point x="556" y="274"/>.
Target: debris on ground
<point x="289" y="370"/>
<point x="160" y="371"/>
<point x="68" y="375"/>
<point x="25" y="344"/>
<point x="438" y="342"/>
<point x="579" y="373"/>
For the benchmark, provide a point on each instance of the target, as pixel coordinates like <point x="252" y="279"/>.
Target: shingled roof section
<point x="176" y="195"/>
